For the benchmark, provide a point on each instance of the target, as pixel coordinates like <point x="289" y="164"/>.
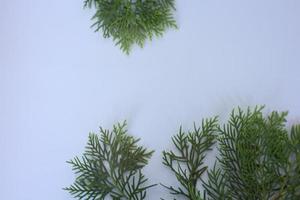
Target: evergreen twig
<point x="187" y="163"/>
<point x="131" y="22"/>
<point x="259" y="159"/>
<point x="111" y="166"/>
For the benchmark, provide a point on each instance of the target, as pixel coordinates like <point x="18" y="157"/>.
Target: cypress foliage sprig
<point x="111" y="166"/>
<point x="187" y="162"/>
<point x="259" y="158"/>
<point x="130" y="22"/>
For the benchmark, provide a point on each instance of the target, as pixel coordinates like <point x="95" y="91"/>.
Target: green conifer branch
<point x="258" y="158"/>
<point x="111" y="166"/>
<point x="215" y="186"/>
<point x="130" y="22"/>
<point x="187" y="163"/>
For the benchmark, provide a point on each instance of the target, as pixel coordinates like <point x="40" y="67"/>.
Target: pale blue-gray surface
<point x="59" y="80"/>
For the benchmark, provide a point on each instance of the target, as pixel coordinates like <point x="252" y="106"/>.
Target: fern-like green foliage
<point x="187" y="162"/>
<point x="259" y="158"/>
<point x="111" y="166"/>
<point x="130" y="22"/>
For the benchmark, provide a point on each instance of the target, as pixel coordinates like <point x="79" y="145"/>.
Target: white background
<point x="59" y="80"/>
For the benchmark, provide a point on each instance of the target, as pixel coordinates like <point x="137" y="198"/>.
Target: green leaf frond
<point x="111" y="166"/>
<point x="293" y="183"/>
<point x="215" y="187"/>
<point x="130" y="22"/>
<point x="258" y="158"/>
<point x="187" y="162"/>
